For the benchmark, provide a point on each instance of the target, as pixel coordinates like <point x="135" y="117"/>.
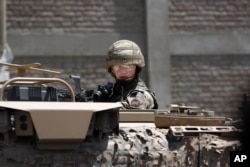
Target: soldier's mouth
<point x="123" y="77"/>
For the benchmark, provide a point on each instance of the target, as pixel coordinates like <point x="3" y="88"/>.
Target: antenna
<point x="21" y="69"/>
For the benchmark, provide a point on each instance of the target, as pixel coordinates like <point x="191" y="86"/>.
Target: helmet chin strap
<point x="125" y="82"/>
<point x="121" y="81"/>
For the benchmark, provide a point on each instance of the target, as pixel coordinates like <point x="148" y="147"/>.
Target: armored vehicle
<point x="182" y="115"/>
<point x="45" y="122"/>
<point x="51" y="119"/>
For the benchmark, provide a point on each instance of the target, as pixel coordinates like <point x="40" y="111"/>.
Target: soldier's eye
<point x="124" y="66"/>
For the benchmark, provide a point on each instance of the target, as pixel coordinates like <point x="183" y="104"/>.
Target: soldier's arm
<point x="140" y="100"/>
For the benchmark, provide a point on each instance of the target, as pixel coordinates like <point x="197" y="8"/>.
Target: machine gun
<point x="103" y="91"/>
<point x="81" y="95"/>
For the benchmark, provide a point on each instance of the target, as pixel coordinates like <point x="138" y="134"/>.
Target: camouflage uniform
<point x="133" y="93"/>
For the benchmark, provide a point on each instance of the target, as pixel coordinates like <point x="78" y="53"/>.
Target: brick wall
<point x="75" y="16"/>
<point x="212" y="82"/>
<point x="203" y="15"/>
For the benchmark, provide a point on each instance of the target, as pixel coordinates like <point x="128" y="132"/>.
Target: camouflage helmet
<point x="124" y="52"/>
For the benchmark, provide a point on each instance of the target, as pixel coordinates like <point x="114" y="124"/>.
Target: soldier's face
<point x="124" y="71"/>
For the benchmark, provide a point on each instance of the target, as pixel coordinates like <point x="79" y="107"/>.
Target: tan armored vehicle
<point x="32" y="108"/>
<point x="182" y="115"/>
<point x="44" y="122"/>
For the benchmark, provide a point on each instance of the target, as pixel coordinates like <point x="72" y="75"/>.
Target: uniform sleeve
<point x="140" y="100"/>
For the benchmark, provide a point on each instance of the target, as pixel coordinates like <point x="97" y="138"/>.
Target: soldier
<point x="124" y="62"/>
